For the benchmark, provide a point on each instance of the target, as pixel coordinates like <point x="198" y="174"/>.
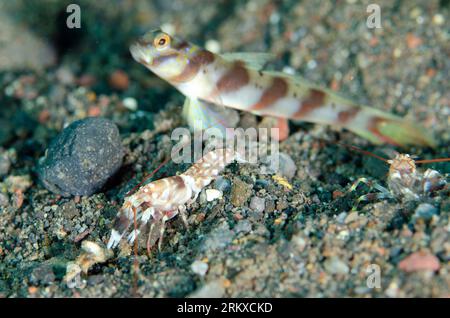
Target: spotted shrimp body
<point x="404" y="181"/>
<point x="161" y="200"/>
<point x="237" y="81"/>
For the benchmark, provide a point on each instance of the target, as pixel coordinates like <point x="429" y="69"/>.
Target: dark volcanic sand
<point x="301" y="242"/>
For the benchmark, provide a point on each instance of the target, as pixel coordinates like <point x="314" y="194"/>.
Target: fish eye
<point x="161" y="41"/>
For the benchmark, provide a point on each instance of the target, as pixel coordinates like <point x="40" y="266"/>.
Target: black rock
<point x="82" y="157"/>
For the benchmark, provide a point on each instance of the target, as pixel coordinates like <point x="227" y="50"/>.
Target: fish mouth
<point x="140" y="54"/>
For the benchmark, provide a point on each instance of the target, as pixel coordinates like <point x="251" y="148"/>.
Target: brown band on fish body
<point x="346" y="115"/>
<point x="199" y="59"/>
<point x="278" y="89"/>
<point x="314" y="100"/>
<point x="234" y="79"/>
<point x="203" y="57"/>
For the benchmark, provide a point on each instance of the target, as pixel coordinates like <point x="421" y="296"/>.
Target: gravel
<point x="257" y="204"/>
<point x="312" y="239"/>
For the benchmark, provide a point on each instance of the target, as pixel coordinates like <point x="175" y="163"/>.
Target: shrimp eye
<point x="161" y="41"/>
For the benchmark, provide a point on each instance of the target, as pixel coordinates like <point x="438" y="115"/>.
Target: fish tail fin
<point x="382" y="127"/>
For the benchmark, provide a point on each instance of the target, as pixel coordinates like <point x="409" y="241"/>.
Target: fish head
<point x="165" y="55"/>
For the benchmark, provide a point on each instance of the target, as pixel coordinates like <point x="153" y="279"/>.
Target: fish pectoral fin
<point x="255" y="60"/>
<point x="201" y="115"/>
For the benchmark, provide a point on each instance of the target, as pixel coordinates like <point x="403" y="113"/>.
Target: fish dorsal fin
<point x="255" y="60"/>
<point x="201" y="115"/>
<point x="293" y="77"/>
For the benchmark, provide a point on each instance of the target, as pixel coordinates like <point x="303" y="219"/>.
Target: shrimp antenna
<point x="365" y="152"/>
<point x="433" y="160"/>
<point x="147" y="177"/>
<point x="386" y="160"/>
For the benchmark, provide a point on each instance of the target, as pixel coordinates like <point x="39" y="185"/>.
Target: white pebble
<point x="168" y="28"/>
<point x="289" y="70"/>
<point x="258" y="204"/>
<point x="130" y="103"/>
<point x="311" y="64"/>
<point x="438" y="19"/>
<point x="212" y="194"/>
<point x="213" y="46"/>
<point x="199" y="268"/>
<point x="334" y="265"/>
<point x="288" y="167"/>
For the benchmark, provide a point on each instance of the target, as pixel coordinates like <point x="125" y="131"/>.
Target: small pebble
<point x="362" y="290"/>
<point x="341" y="217"/>
<point x="240" y="192"/>
<point x="218" y="238"/>
<point x="392" y="290"/>
<point x="65" y="76"/>
<point x="212" y="194"/>
<point x="270" y="206"/>
<point x="287" y="166"/>
<point x="222" y="184"/>
<point x="351" y="217"/>
<point x="5" y="164"/>
<point x="199" y="268"/>
<point x="298" y="242"/>
<point x="438" y="19"/>
<point x="94" y="280"/>
<point x="243" y="226"/>
<point x="419" y="261"/>
<point x="213" y="289"/>
<point x="42" y="275"/>
<point x="425" y="211"/>
<point x="44" y="116"/>
<point x="282" y="165"/>
<point x="119" y="80"/>
<point x="168" y="28"/>
<point x="334" y="265"/>
<point x="130" y="103"/>
<point x="213" y="46"/>
<point x="258" y="204"/>
<point x="15" y="183"/>
<point x="4" y="201"/>
<point x="86" y="80"/>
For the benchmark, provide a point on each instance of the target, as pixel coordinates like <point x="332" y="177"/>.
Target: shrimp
<point x="162" y="200"/>
<point x="404" y="181"/>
